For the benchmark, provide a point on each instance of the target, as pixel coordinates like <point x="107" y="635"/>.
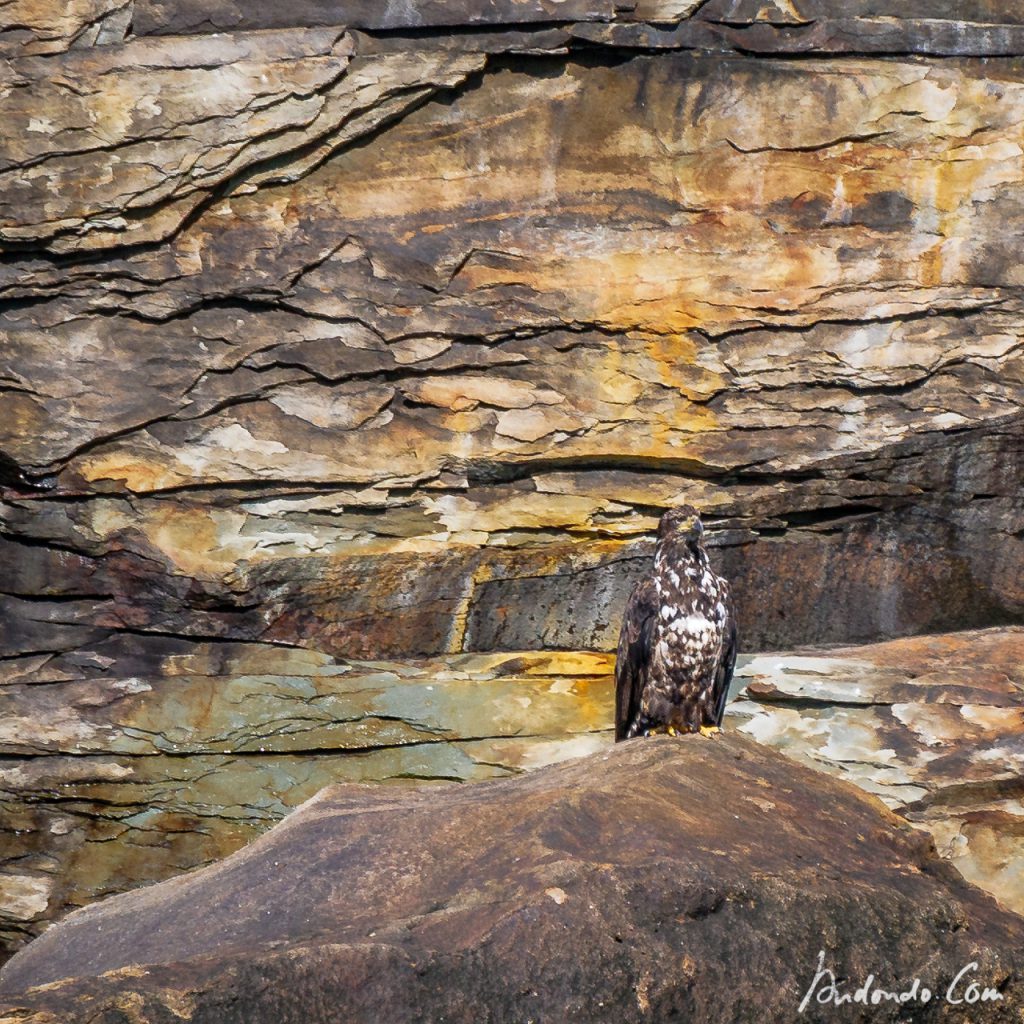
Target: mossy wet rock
<point x="692" y="877"/>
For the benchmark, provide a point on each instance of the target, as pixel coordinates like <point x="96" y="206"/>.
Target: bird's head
<point x="681" y="524"/>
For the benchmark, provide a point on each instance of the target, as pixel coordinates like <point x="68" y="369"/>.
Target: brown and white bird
<point x="677" y="646"/>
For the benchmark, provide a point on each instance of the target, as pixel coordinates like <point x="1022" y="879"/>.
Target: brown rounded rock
<point x="693" y="877"/>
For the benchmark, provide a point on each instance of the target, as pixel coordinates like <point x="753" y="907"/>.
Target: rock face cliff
<point x="389" y="330"/>
<point x="398" y="329"/>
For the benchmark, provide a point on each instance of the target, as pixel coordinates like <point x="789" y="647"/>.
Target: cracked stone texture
<point x="135" y="759"/>
<point x="132" y="760"/>
<point x="403" y="341"/>
<point x="388" y="331"/>
<point x="46" y="26"/>
<point x="663" y="878"/>
<point x="932" y="725"/>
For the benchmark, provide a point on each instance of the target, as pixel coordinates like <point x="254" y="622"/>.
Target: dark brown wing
<point x="634" y="654"/>
<point x="723" y="675"/>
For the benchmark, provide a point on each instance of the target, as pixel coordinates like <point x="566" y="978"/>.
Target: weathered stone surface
<point x="932" y="725"/>
<point x="389" y="330"/>
<point x="380" y="389"/>
<point x="927" y="27"/>
<point x="161" y="16"/>
<point x="46" y="26"/>
<point x="153" y="128"/>
<point x="303" y="703"/>
<point x="131" y="761"/>
<point x="693" y="878"/>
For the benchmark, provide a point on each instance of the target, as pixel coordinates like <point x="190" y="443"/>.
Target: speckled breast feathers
<point x="677" y="647"/>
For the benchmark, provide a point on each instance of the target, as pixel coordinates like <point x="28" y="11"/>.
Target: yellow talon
<point x="709" y="730"/>
<point x="671" y="730"/>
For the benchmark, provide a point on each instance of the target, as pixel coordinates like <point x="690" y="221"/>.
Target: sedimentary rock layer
<point x="402" y="342"/>
<point x="932" y="725"/>
<point x="129" y="761"/>
<point x="665" y="878"/>
<point x="335" y="332"/>
<point x="133" y="760"/>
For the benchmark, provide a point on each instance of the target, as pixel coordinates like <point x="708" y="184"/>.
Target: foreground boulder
<point x="696" y="879"/>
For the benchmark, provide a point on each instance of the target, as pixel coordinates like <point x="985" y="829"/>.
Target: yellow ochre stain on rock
<point x="137" y="474"/>
<point x="192" y="539"/>
<point x="955" y="182"/>
<point x="675" y="356"/>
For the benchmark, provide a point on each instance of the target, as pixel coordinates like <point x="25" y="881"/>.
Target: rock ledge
<point x="689" y="878"/>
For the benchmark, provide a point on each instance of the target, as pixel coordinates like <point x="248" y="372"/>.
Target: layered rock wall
<point x="333" y="332"/>
<point x="397" y="330"/>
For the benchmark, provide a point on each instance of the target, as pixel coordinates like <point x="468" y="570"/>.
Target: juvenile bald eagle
<point x="677" y="646"/>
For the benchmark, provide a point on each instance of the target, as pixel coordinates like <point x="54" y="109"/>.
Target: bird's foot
<point x="671" y="731"/>
<point x="709" y="730"/>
